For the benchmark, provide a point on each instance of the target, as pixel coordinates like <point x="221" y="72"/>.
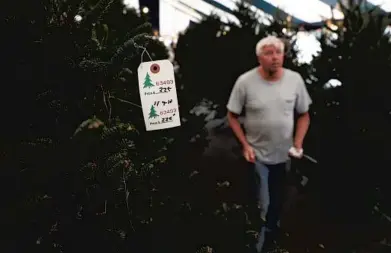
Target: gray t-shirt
<point x="269" y="108"/>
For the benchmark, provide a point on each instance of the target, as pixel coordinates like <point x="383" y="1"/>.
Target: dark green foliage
<point x="357" y="114"/>
<point x="88" y="176"/>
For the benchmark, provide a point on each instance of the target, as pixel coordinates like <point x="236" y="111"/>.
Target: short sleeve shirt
<point x="269" y="107"/>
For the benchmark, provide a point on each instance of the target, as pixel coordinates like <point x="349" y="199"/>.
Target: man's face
<point x="271" y="58"/>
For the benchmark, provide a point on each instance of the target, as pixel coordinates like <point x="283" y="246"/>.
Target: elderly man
<point x="269" y="94"/>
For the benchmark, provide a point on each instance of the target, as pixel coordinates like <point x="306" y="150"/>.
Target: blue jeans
<point x="271" y="185"/>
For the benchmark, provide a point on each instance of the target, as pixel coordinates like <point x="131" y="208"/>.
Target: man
<point x="269" y="94"/>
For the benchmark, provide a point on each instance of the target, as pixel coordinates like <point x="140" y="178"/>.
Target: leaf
<point x="223" y="184"/>
<point x="82" y="126"/>
<point x="90" y="124"/>
<point x="225" y="207"/>
<point x="126" y="71"/>
<point x="94" y="37"/>
<point x="105" y="34"/>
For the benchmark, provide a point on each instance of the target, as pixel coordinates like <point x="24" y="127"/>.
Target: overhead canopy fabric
<point x="176" y="15"/>
<point x="301" y="11"/>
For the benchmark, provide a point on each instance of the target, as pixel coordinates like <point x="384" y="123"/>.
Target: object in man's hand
<point x="297" y="153"/>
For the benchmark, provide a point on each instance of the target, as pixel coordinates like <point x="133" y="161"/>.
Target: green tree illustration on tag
<point x="148" y="82"/>
<point x="152" y="113"/>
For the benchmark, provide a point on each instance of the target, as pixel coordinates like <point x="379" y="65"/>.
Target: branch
<point x="125" y="101"/>
<point x="106" y="102"/>
<point x="160" y="159"/>
<point x="127" y="198"/>
<point x="110" y="107"/>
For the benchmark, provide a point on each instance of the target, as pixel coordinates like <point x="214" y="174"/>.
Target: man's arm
<point x="248" y="151"/>
<point x="237" y="128"/>
<point x="235" y="105"/>
<point x="302" y="125"/>
<point x="303" y="102"/>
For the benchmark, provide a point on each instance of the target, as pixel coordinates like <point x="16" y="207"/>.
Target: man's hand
<point x="249" y="154"/>
<point x="302" y="125"/>
<point x="248" y="151"/>
<point x="295" y="152"/>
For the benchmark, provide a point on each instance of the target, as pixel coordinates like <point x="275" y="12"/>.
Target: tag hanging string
<point x="144" y="51"/>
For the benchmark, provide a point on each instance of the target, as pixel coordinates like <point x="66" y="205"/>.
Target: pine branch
<point x="142" y="29"/>
<point x="146" y="169"/>
<point x="124" y="178"/>
<point x="121" y="53"/>
<point x="95" y="66"/>
<point x="105" y="9"/>
<point x="109" y="132"/>
<point x="106" y="102"/>
<point x="96" y="13"/>
<point x="125" y="101"/>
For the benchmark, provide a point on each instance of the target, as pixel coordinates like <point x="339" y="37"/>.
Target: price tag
<point x="158" y="95"/>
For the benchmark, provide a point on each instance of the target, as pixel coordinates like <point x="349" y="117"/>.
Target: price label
<point x="158" y="95"/>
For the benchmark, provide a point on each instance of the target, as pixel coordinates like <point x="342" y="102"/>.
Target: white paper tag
<point x="158" y="95"/>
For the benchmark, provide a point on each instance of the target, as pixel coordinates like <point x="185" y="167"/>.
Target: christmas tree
<point x="97" y="60"/>
<point x="148" y="82"/>
<point x="152" y="113"/>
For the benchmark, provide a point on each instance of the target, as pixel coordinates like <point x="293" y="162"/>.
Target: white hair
<point x="269" y="41"/>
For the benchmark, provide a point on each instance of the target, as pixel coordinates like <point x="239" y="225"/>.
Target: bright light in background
<point x="132" y="4"/>
<point x="232" y="5"/>
<point x="208" y="9"/>
<point x="176" y="15"/>
<point x="384" y="4"/>
<point x="145" y="10"/>
<point x="332" y="83"/>
<point x="78" y="18"/>
<point x="174" y="18"/>
<point x="311" y="11"/>
<point x="307" y="46"/>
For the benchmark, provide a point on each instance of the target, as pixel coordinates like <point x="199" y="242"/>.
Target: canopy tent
<point x="176" y="15"/>
<point x="301" y="11"/>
